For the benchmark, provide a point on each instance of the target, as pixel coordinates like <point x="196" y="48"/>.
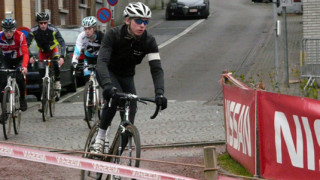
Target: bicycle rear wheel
<point x="52" y="101"/>
<point x="91" y="109"/>
<point x="44" y="101"/>
<point x="6" y="116"/>
<point x="131" y="148"/>
<point x="90" y="140"/>
<point x="16" y="111"/>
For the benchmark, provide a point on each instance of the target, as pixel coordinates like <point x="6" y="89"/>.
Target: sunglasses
<point x="41" y="23"/>
<point x="9" y="31"/>
<point x="140" y="21"/>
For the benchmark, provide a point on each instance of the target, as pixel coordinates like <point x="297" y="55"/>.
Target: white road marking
<point x="65" y="98"/>
<point x="181" y="34"/>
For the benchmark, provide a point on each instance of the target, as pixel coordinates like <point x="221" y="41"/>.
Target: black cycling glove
<point x="109" y="91"/>
<point x="161" y="101"/>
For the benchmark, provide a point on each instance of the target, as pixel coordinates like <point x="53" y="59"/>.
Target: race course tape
<point x="84" y="164"/>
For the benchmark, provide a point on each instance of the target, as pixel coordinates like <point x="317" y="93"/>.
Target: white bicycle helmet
<point x="89" y="21"/>
<point x="137" y="9"/>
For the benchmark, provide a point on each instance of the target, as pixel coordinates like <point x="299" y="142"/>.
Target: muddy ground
<point x="12" y="169"/>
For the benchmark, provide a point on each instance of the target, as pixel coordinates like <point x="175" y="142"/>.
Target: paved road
<point x="192" y="66"/>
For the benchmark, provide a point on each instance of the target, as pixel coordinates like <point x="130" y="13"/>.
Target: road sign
<point x="104" y="15"/>
<point x="112" y="2"/>
<point x="24" y="30"/>
<point x="286" y="2"/>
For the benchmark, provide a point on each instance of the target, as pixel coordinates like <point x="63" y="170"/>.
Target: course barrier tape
<point x="84" y="164"/>
<point x="234" y="81"/>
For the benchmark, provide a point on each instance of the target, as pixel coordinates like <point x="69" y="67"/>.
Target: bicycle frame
<point x="95" y="87"/>
<point x="47" y="78"/>
<point x="11" y="84"/>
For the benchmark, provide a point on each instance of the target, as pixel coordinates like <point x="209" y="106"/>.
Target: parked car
<point x="68" y="78"/>
<point x="296" y="8"/>
<point x="185" y="8"/>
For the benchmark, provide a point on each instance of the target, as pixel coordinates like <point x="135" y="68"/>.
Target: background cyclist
<point x="89" y="42"/>
<point x="122" y="49"/>
<point x="48" y="40"/>
<point x="14" y="54"/>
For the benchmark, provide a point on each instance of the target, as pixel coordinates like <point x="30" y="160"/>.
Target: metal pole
<point x="285" y="42"/>
<point x="276" y="58"/>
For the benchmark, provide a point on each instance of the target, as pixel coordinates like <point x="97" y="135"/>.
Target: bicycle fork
<point x="122" y="130"/>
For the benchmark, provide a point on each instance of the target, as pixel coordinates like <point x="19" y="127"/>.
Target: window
<point x="38" y="6"/>
<point x="63" y="19"/>
<point x="60" y="4"/>
<point x="82" y="1"/>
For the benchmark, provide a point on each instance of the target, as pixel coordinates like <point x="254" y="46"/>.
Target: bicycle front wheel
<point x="44" y="101"/>
<point x="16" y="111"/>
<point x="131" y="149"/>
<point x="91" y="108"/>
<point x="90" y="140"/>
<point x="52" y="101"/>
<point x="6" y="115"/>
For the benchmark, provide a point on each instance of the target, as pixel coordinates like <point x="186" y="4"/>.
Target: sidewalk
<point x="263" y="68"/>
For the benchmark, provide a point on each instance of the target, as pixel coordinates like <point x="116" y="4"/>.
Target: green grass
<point x="232" y="166"/>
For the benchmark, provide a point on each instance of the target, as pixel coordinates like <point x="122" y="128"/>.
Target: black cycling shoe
<point x="23" y="104"/>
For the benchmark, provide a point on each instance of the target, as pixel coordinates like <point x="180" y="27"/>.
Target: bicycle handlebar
<point x="133" y="97"/>
<point x="18" y="69"/>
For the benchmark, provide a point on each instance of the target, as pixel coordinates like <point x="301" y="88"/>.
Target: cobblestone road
<point x="182" y="122"/>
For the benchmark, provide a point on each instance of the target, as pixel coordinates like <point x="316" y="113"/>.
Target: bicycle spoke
<point x="6" y="116"/>
<point x="16" y="111"/>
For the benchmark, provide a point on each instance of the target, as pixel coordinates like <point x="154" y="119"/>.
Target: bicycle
<point x="127" y="135"/>
<point x="11" y="113"/>
<point x="48" y="96"/>
<point x="92" y="102"/>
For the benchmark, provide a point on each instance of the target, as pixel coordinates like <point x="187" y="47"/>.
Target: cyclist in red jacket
<point x="14" y="54"/>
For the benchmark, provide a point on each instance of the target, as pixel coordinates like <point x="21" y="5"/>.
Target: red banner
<point x="240" y="125"/>
<point x="289" y="134"/>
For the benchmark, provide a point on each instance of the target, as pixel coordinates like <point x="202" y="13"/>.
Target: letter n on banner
<point x="289" y="136"/>
<point x="240" y="125"/>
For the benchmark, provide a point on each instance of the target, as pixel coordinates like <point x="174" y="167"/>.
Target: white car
<point x="296" y="8"/>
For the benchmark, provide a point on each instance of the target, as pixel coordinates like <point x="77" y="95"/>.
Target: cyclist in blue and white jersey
<point x="89" y="42"/>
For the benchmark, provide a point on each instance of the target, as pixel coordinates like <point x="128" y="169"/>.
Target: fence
<point x="310" y="60"/>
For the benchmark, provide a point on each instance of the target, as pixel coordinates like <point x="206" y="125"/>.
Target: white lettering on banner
<point x="5" y="150"/>
<point x="281" y="125"/>
<point x="68" y="161"/>
<point x="101" y="167"/>
<point x="146" y="175"/>
<point x="34" y="155"/>
<point x="238" y="130"/>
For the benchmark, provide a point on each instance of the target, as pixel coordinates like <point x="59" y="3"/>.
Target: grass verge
<point x="227" y="163"/>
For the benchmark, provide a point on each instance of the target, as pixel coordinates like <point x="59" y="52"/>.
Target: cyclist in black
<point x="121" y="50"/>
<point x="50" y="44"/>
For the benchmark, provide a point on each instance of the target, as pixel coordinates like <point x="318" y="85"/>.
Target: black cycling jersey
<point x="121" y="52"/>
<point x="48" y="39"/>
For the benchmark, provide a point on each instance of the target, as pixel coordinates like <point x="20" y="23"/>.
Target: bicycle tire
<point x="130" y="133"/>
<point x="52" y="101"/>
<point x="6" y="117"/>
<point x="91" y="110"/>
<point x="44" y="101"/>
<point x="90" y="140"/>
<point x="16" y="111"/>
